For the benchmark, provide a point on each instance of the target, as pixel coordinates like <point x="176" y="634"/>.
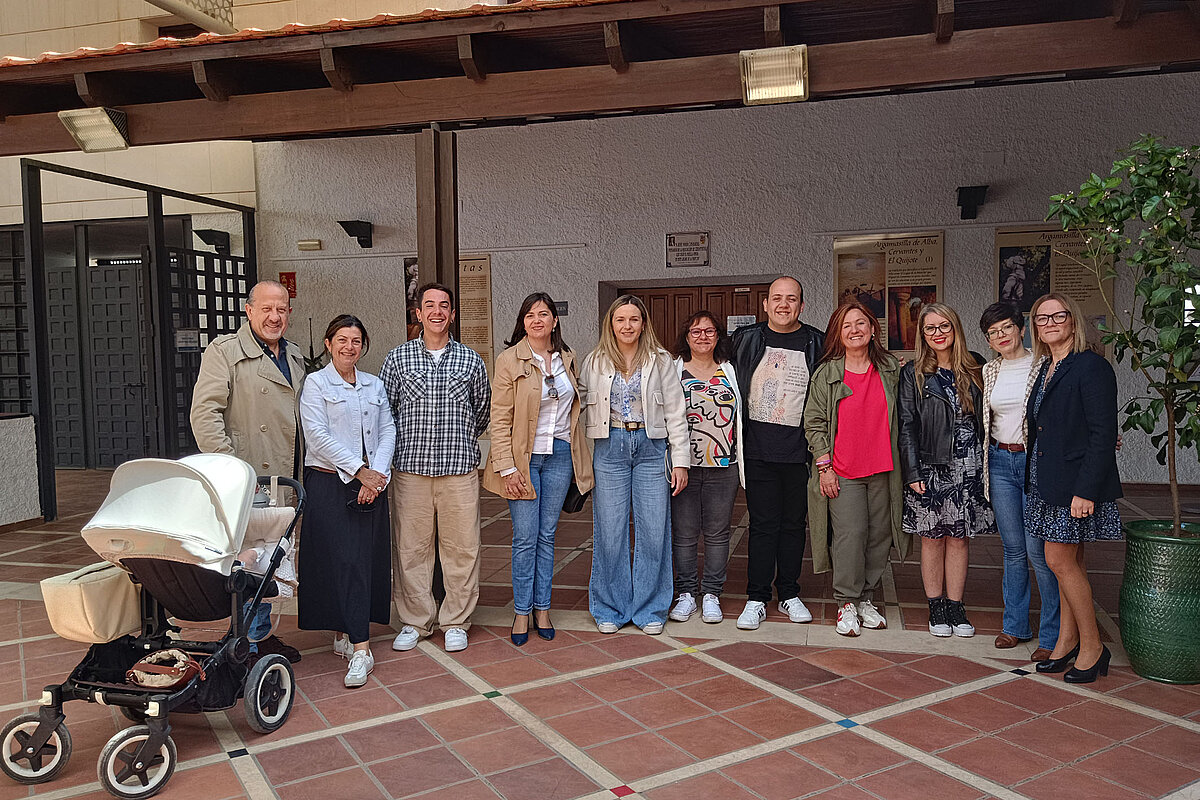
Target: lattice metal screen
<point x="16" y="393"/>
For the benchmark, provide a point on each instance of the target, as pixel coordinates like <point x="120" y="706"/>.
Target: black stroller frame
<point x="136" y="770"/>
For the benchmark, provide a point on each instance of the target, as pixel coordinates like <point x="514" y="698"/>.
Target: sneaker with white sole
<point x="939" y="620"/>
<point x="711" y="609"/>
<point x="361" y="664"/>
<point x="685" y="606"/>
<point x="342" y="646"/>
<point x="607" y="627"/>
<point x="653" y="628"/>
<point x="456" y="640"/>
<point x="796" y="610"/>
<point x="847" y="624"/>
<point x="958" y="619"/>
<point x="407" y="638"/>
<point x="870" y="616"/>
<point x="752" y="615"/>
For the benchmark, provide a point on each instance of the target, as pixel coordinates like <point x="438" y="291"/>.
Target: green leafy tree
<point x="1141" y="223"/>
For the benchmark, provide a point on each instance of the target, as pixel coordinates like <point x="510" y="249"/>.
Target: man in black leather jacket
<point x="773" y="361"/>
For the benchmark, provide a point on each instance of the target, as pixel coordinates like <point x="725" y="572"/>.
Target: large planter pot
<point x="1160" y="601"/>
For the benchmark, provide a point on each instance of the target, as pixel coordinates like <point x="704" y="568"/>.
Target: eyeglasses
<point x="1058" y="318"/>
<point x="945" y="327"/>
<point x="551" y="388"/>
<point x="1004" y="330"/>
<point x="702" y="333"/>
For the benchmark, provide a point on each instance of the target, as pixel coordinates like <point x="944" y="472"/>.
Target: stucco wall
<point x="562" y="206"/>
<point x="18" y="471"/>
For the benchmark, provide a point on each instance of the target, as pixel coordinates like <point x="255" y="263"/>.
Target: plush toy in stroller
<point x="170" y="532"/>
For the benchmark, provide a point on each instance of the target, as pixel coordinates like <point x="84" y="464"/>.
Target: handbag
<point x="573" y="503"/>
<point x="93" y="605"/>
<point x="164" y="669"/>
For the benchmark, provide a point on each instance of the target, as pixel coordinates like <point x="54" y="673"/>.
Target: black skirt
<point x="345" y="559"/>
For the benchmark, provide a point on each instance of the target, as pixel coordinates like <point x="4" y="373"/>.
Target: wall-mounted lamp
<point x="96" y="130"/>
<point x="970" y="198"/>
<point x="309" y="244"/>
<point x="774" y="75"/>
<point x="359" y="229"/>
<point x="214" y="238"/>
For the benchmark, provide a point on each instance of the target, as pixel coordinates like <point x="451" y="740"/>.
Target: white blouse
<point x="1008" y="399"/>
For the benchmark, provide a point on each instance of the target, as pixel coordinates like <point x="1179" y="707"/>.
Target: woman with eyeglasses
<point x="1007" y="382"/>
<point x="537" y="449"/>
<point x="1073" y="480"/>
<point x="941" y="454"/>
<point x="634" y="413"/>
<point x="704" y="509"/>
<point x="349" y="439"/>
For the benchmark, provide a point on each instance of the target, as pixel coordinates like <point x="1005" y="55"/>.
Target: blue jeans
<point x="1006" y="484"/>
<point x="630" y="472"/>
<point x="260" y="623"/>
<point x="534" y="522"/>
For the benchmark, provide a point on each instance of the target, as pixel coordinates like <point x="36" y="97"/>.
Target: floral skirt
<point x="953" y="505"/>
<point x="1055" y="524"/>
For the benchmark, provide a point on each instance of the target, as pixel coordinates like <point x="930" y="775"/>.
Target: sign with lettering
<point x="288" y="279"/>
<point x="688" y="249"/>
<point x="475" y="305"/>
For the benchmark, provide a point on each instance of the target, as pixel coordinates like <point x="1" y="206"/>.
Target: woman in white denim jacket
<point x="634" y="413"/>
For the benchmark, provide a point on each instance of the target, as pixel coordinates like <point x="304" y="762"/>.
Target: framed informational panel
<point x="1032" y="261"/>
<point x="893" y="275"/>
<point x="475" y="305"/>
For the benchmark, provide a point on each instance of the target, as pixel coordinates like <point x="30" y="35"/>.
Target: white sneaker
<point x="685" y="606"/>
<point x="361" y="664"/>
<point x="342" y="646"/>
<point x="847" y="624"/>
<point x="654" y="628"/>
<point x="712" y="609"/>
<point x="407" y="638"/>
<point x="607" y="627"/>
<point x="456" y="639"/>
<point x="870" y="616"/>
<point x="796" y="610"/>
<point x="752" y="615"/>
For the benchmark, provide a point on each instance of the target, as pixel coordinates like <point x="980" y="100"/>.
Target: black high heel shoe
<point x="1057" y="664"/>
<point x="1077" y="675"/>
<point x="546" y="633"/>
<point x="519" y="639"/>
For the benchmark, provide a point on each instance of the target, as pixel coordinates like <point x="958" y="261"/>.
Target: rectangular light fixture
<point x="774" y="75"/>
<point x="309" y="244"/>
<point x="96" y="130"/>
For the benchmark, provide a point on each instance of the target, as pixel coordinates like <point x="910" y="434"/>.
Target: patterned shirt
<point x="625" y="400"/>
<point x="440" y="409"/>
<point x="712" y="419"/>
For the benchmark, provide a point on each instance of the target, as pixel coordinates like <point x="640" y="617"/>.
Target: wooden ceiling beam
<point x="334" y="64"/>
<point x="943" y="20"/>
<point x="470" y="55"/>
<point x="613" y="46"/>
<point x="215" y="81"/>
<point x="772" y="27"/>
<point x="95" y="89"/>
<point x="1125" y="12"/>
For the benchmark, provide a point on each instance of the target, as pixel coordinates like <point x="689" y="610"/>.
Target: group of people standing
<point x="827" y="432"/>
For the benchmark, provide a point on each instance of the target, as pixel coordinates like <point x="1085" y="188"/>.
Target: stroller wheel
<point x="36" y="767"/>
<point x="126" y="772"/>
<point x="269" y="691"/>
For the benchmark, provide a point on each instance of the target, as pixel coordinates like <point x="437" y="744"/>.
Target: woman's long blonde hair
<point x="1079" y="343"/>
<point x="967" y="371"/>
<point x="647" y="343"/>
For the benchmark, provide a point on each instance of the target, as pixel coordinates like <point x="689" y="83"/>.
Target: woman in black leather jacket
<point x="941" y="455"/>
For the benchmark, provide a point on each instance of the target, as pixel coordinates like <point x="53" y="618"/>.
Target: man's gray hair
<point x="270" y="284"/>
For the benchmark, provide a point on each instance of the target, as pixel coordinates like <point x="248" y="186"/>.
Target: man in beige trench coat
<point x="245" y="404"/>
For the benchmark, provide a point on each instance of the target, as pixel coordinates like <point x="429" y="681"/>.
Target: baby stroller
<point x="175" y="528"/>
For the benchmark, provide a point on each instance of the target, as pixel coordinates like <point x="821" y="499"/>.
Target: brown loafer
<point x="1004" y="641"/>
<point x="1041" y="654"/>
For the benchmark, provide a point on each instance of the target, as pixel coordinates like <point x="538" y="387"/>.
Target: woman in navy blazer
<point x="1072" y="473"/>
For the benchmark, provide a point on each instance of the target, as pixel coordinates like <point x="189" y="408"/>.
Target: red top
<point x="863" y="444"/>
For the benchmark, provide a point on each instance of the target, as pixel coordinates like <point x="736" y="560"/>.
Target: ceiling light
<point x="96" y="130"/>
<point x="774" y="75"/>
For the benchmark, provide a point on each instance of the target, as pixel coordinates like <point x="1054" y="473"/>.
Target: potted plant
<point x="1141" y="223"/>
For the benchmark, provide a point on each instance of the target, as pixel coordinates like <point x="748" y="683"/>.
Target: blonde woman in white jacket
<point x="633" y="411"/>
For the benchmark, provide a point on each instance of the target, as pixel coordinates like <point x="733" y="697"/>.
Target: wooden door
<point x="670" y="307"/>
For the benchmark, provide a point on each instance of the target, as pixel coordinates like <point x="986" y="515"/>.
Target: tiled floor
<point x="704" y="711"/>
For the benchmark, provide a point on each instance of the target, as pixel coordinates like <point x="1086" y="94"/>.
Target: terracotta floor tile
<point x="303" y="719"/>
<point x="848" y="755"/>
<point x="427" y="691"/>
<point x="901" y="682"/>
<point x="639" y="756"/>
<point x="793" y="674"/>
<point x="390" y="739"/>
<point x="1055" y="739"/>
<point x="980" y="712"/>
<point x="489" y="651"/>
<point x="780" y="776"/>
<point x="404" y="670"/>
<point x="418" y="772"/>
<point x="1171" y="699"/>
<point x="632" y="645"/>
<point x="662" y="708"/>
<point x="469" y="719"/>
<point x="847" y="791"/>
<point x="595" y="725"/>
<point x="746" y="655"/>
<point x="331" y="684"/>
<point x="724" y="692"/>
<point x="1033" y="695"/>
<point x="998" y="760"/>
<point x="773" y="718"/>
<point x="708" y="737"/>
<point x="1139" y="770"/>
<point x="925" y="731"/>
<point x="362" y="704"/>
<point x="549" y="780"/>
<point x="848" y="697"/>
<point x="711" y="786"/>
<point x="572" y="659"/>
<point x="555" y="699"/>
<point x="350" y="783"/>
<point x="1106" y="720"/>
<point x="951" y="668"/>
<point x="471" y="790"/>
<point x="513" y="673"/>
<point x="1173" y="743"/>
<point x="501" y="750"/>
<point x="914" y="781"/>
<point x="214" y="782"/>
<point x="304" y="760"/>
<point x="679" y="671"/>
<point x="620" y="684"/>
<point x="846" y="661"/>
<point x="1069" y="782"/>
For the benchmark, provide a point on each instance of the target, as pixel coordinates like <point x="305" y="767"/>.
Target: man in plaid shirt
<point x="441" y="400"/>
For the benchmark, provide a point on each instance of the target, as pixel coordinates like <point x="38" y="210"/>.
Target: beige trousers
<point x="426" y="511"/>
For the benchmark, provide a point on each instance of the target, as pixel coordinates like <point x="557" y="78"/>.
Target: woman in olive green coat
<point x="856" y="486"/>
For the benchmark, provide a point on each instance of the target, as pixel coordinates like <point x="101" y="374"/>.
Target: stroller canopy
<point x="193" y="510"/>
